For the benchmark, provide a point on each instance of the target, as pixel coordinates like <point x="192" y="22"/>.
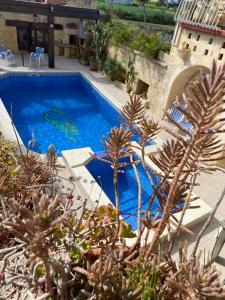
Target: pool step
<point x="78" y="157"/>
<point x="76" y="161"/>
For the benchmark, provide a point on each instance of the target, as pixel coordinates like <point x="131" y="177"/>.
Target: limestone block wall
<point x="8" y="34"/>
<point x="167" y="77"/>
<point x="202" y="46"/>
<point x="150" y="71"/>
<point x="64" y="34"/>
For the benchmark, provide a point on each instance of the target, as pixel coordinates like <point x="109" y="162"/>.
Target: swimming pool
<point x="127" y="188"/>
<point x="64" y="110"/>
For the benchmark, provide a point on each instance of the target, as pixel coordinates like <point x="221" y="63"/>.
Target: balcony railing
<point x="204" y="13"/>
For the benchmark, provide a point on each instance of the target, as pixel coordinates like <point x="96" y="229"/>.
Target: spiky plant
<point x="202" y="106"/>
<point x="116" y="148"/>
<point x="133" y="112"/>
<point x="190" y="279"/>
<point x="113" y="277"/>
<point x="19" y="173"/>
<point x="38" y="230"/>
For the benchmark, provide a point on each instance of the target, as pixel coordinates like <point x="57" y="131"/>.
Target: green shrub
<point x="136" y="39"/>
<point x="149" y="45"/>
<point x="122" y="35"/>
<point x="114" y="70"/>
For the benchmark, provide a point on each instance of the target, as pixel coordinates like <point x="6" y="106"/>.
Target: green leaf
<point x="126" y="231"/>
<point x="15" y="170"/>
<point x="76" y="255"/>
<point x="40" y="271"/>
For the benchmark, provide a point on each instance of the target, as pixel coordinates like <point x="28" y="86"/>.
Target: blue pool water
<point x="128" y="191"/>
<point x="62" y="110"/>
<point x="68" y="112"/>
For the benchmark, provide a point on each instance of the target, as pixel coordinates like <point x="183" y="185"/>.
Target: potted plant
<point x="83" y="60"/>
<point x="93" y="64"/>
<point x="114" y="70"/>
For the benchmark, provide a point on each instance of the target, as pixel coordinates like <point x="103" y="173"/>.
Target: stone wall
<point x="169" y="75"/>
<point x="8" y="34"/>
<point x="150" y="71"/>
<point x="202" y="46"/>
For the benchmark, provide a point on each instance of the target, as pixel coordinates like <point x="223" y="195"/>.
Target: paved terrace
<point x="210" y="187"/>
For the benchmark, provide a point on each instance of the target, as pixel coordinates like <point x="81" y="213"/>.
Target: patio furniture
<point x="37" y="56"/>
<point x="175" y="114"/>
<point x="179" y="118"/>
<point x="7" y="56"/>
<point x="2" y="48"/>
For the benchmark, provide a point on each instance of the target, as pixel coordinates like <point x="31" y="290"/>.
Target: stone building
<point x="26" y="31"/>
<point x="199" y="38"/>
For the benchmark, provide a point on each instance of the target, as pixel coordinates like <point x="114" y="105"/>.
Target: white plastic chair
<point x="37" y="56"/>
<point x="7" y="56"/>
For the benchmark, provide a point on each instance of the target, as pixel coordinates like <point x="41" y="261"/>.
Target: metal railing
<point x="205" y="13"/>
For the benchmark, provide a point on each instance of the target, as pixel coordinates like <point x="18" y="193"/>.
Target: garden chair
<point x="186" y="125"/>
<point x="7" y="56"/>
<point x="2" y="48"/>
<point x="177" y="116"/>
<point x="37" y="56"/>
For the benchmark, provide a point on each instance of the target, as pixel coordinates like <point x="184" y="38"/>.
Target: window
<point x="206" y="52"/>
<point x="194" y="48"/>
<point x="220" y="57"/>
<point x="198" y="37"/>
<point x="223" y="45"/>
<point x="189" y="36"/>
<point x="210" y="41"/>
<point x="142" y="88"/>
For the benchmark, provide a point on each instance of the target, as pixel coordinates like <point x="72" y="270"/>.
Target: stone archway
<point x="180" y="82"/>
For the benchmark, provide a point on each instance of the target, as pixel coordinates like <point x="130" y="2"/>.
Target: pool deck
<point x="211" y="186"/>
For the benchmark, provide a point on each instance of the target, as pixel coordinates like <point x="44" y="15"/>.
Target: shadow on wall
<point x="181" y="81"/>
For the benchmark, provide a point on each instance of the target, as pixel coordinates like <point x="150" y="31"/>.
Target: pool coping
<point x="96" y="196"/>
